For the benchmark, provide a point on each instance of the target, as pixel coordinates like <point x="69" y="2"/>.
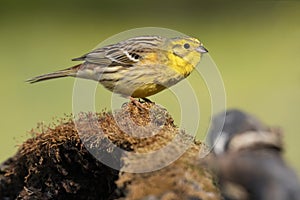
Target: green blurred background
<point x="255" y="44"/>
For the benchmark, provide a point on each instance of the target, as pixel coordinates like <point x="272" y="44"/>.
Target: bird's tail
<point x="72" y="71"/>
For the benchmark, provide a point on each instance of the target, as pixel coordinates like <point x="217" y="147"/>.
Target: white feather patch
<point x="130" y="56"/>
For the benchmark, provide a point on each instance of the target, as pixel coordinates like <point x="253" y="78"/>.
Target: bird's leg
<point x="136" y="102"/>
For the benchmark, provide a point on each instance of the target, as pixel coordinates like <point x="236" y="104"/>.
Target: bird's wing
<point x="125" y="53"/>
<point x="97" y="56"/>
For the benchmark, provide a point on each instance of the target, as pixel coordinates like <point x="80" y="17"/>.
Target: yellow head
<point x="184" y="53"/>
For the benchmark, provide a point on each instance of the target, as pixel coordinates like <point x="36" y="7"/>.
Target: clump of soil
<point x="65" y="160"/>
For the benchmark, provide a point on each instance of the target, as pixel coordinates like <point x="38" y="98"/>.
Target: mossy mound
<point x="59" y="162"/>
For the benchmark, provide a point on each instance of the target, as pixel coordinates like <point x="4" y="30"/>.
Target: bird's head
<point x="186" y="51"/>
<point x="187" y="47"/>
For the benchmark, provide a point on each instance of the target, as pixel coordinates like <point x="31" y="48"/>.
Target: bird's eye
<point x="186" y="45"/>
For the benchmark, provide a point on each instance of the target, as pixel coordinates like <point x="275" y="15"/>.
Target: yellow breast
<point x="147" y="90"/>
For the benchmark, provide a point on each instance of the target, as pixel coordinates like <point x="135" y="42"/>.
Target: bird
<point x="137" y="67"/>
<point x="226" y="126"/>
<point x="247" y="159"/>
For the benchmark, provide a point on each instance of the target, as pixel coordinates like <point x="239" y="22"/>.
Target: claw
<point x="137" y="103"/>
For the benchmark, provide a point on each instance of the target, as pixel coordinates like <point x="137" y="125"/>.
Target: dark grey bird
<point x="248" y="159"/>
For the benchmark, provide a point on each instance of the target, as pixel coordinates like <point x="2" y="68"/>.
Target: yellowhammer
<point x="137" y="67"/>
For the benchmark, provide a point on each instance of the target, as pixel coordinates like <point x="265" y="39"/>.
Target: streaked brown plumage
<point x="137" y="67"/>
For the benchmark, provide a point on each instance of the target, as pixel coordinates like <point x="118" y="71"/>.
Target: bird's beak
<point x="201" y="49"/>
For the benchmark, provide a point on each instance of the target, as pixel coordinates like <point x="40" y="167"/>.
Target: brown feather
<point x="72" y="71"/>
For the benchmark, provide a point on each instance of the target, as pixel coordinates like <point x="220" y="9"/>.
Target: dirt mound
<point x="59" y="161"/>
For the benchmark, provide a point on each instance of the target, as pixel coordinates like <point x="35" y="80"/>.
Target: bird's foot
<point x="139" y="103"/>
<point x="136" y="102"/>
